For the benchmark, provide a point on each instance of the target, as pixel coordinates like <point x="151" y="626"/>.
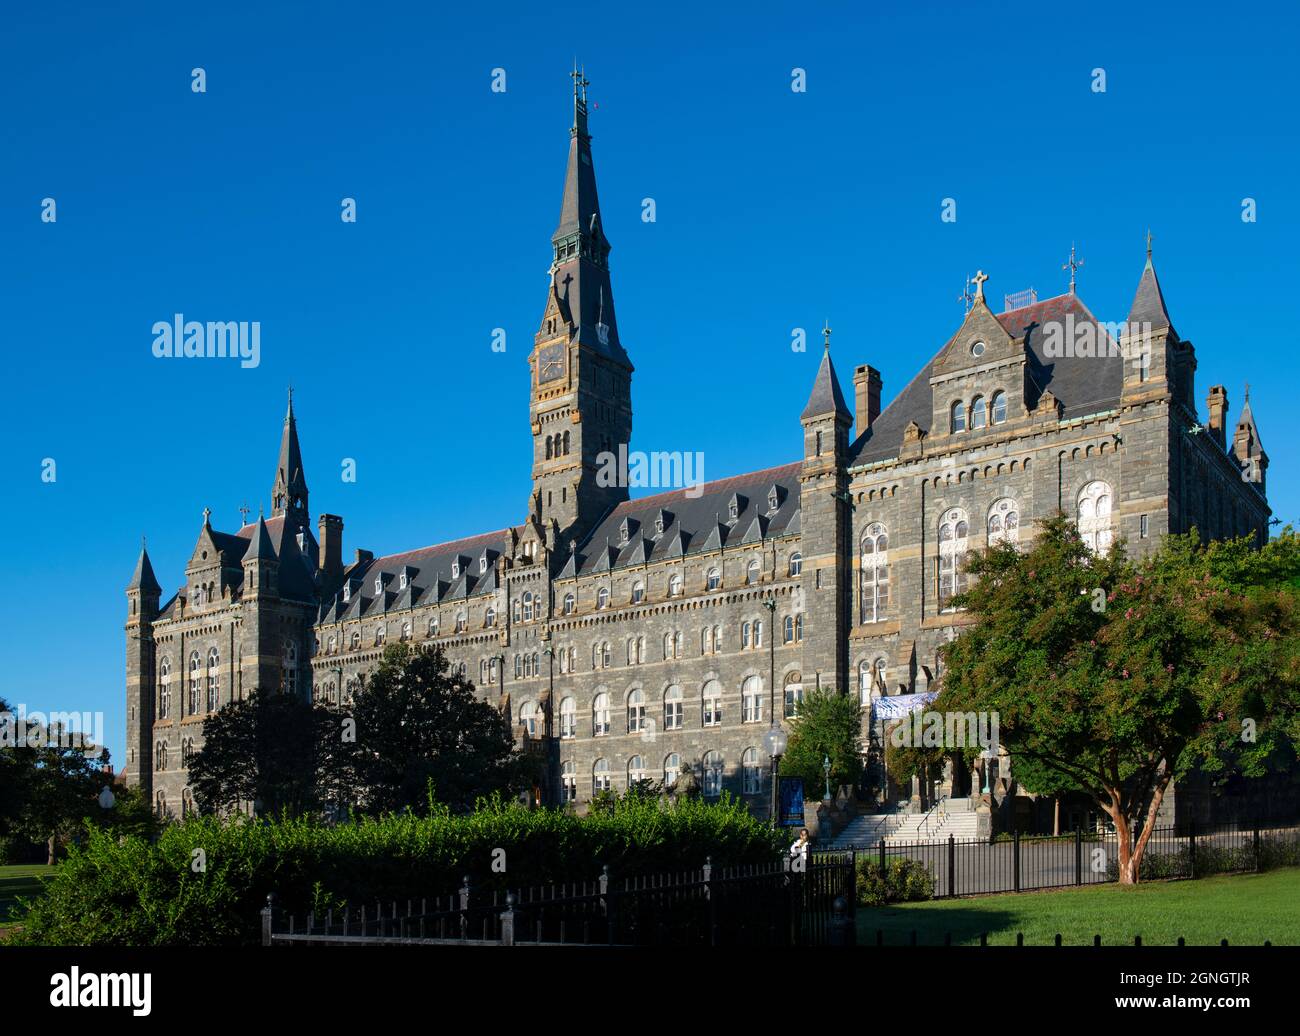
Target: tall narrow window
<point x="1094" y="516"/>
<point x="673" y="708"/>
<point x="711" y="714"/>
<point x="978" y="415"/>
<point x="568" y="782"/>
<point x="875" y="573"/>
<point x="635" y="712"/>
<point x="750" y="774"/>
<point x="999" y="407"/>
<point x="950" y="565"/>
<point x="1004" y="522"/>
<point x="214" y="679"/>
<point x="600" y="776"/>
<point x="751" y="700"/>
<point x="712" y="774"/>
<point x="600" y="715"/>
<point x="958" y="416"/>
<point x="793" y="694"/>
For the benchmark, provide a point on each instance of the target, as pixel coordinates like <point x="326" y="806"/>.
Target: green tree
<point x="419" y="726"/>
<point x="828" y="724"/>
<point x="1116" y="677"/>
<point x="274" y="750"/>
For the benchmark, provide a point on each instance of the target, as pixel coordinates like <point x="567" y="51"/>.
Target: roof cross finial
<point x="207" y="515"/>
<point x="979" y="279"/>
<point x="1072" y="265"/>
<point x="243" y="513"/>
<point x="1248" y="392"/>
<point x="1150" y="238"/>
<point x="826" y="332"/>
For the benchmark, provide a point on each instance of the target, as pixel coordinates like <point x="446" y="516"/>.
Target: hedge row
<point x="1280" y="851"/>
<point x="204" y="881"/>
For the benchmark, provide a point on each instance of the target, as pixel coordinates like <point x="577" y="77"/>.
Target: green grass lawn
<point x="19" y="880"/>
<point x="1245" y="909"/>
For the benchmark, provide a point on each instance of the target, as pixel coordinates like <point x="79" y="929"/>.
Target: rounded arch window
<point x="978" y="415"/>
<point x="1094" y="516"/>
<point x="1004" y="521"/>
<point x="999" y="407"/>
<point x="958" y="416"/>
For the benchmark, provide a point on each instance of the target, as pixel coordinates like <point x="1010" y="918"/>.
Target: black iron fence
<point x="966" y="867"/>
<point x="776" y="904"/>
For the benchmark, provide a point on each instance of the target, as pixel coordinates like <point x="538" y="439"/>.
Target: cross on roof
<point x="1072" y="265"/>
<point x="243" y="512"/>
<point x="979" y="279"/>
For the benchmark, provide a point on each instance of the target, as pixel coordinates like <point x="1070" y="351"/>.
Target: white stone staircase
<point x="949" y="817"/>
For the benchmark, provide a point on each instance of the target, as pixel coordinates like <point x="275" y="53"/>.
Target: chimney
<point x="866" y="390"/>
<point x="364" y="555"/>
<point x="1217" y="404"/>
<point x="331" y="551"/>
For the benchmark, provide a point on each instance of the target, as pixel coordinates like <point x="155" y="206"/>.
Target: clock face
<point x="550" y="363"/>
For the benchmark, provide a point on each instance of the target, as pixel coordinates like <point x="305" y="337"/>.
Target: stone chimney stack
<point x="1217" y="405"/>
<point x="331" y="553"/>
<point x="866" y="391"/>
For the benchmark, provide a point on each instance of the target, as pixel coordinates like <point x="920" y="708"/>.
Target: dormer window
<point x="733" y="507"/>
<point x="455" y="569"/>
<point x="624" y="531"/>
<point x="379" y="584"/>
<point x="482" y="564"/>
<point x="347" y="592"/>
<point x="773" y="500"/>
<point x="401" y="581"/>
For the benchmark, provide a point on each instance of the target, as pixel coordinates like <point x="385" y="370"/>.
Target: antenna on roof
<point x="967" y="296"/>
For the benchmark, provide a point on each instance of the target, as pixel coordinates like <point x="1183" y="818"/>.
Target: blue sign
<point x="790" y="795"/>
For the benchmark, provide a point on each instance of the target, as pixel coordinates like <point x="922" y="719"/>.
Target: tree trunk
<point x="51" y="846"/>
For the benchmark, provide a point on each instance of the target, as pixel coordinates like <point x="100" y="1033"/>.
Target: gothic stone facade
<point x="631" y="638"/>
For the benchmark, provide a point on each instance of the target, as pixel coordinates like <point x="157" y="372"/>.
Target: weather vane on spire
<point x="966" y="296"/>
<point x="826" y="331"/>
<point x="1072" y="266"/>
<point x="1150" y="237"/>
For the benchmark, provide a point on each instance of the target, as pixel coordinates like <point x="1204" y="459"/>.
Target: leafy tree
<point x="275" y="750"/>
<point x="828" y="724"/>
<point x="1117" y="677"/>
<point x="418" y="724"/>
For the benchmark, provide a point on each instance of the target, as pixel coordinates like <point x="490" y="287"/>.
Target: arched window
<point x="331" y="644"/>
<point x="638" y="592"/>
<point x="570" y="602"/>
<point x="796" y="563"/>
<point x="600" y="776"/>
<point x="673" y="708"/>
<point x="566" y="444"/>
<point x="528" y="717"/>
<point x="433" y="626"/>
<point x="356" y="640"/>
<point x="871" y="680"/>
<point x="635" y="770"/>
<point x="489" y="619"/>
<point x="950" y="565"/>
<point x="875" y="573"/>
<point x="214" y="678"/>
<point x="1004" y="522"/>
<point x="381" y="634"/>
<point x="674" y="585"/>
<point x="164" y="687"/>
<point x="462" y="623"/>
<point x="752" y="571"/>
<point x="745" y="634"/>
<point x="528" y="606"/>
<point x="672" y="769"/>
<point x="600" y="715"/>
<point x="568" y="718"/>
<point x="758" y="633"/>
<point x="548" y="448"/>
<point x="714" y="579"/>
<point x="635" y="712"/>
<point x="711" y="698"/>
<point x="712" y="774"/>
<point x="750" y="773"/>
<point x="517" y="610"/>
<point x="751" y="700"/>
<point x="793" y="694"/>
<point x="978" y="414"/>
<point x="568" y="782"/>
<point x="999" y="407"/>
<point x="602" y="597"/>
<point x="195" y="677"/>
<point x="1094" y="516"/>
<point x="958" y="422"/>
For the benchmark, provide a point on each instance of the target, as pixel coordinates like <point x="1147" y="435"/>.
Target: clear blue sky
<point x="775" y="210"/>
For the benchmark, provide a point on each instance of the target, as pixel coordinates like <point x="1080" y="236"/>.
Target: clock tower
<point x="580" y="405"/>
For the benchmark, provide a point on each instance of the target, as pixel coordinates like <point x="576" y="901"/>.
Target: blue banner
<point x="790" y="792"/>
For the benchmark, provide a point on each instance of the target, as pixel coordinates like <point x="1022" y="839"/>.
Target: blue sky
<point x="775" y="210"/>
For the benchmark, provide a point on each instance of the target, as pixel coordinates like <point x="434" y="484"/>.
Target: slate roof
<point x="1149" y="301"/>
<point x="826" y="397"/>
<point x="1084" y="385"/>
<point x="693" y="524"/>
<point x="143" y="578"/>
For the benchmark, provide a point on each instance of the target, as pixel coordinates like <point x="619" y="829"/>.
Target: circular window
<point x="977" y="349"/>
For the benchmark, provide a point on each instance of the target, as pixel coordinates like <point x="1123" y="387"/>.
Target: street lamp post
<point x="826" y="769"/>
<point x="774" y="740"/>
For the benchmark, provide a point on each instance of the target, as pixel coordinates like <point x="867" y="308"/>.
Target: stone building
<point x="634" y="638"/>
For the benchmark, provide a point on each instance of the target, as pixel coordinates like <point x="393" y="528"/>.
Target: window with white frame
<point x="568" y="718"/>
<point x="462" y="623"/>
<point x="751" y="700"/>
<point x="568" y="782"/>
<point x="958" y="416"/>
<point x="978" y="414"/>
<point x="673" y="708"/>
<point x="196" y="669"/>
<point x="751" y="774"/>
<point x="600" y="776"/>
<point x="712" y="774"/>
<point x="602" y="597"/>
<point x="871" y="680"/>
<point x="875" y="573"/>
<point x="600" y="715"/>
<point x="672" y="769"/>
<point x="1094" y="508"/>
<point x="164" y="687"/>
<point x="999" y="407"/>
<point x="793" y="694"/>
<point x="711" y="697"/>
<point x="1004" y="522"/>
<point x="796" y="563"/>
<point x="752" y="571"/>
<point x="635" y="712"/>
<point x="214" y="678"/>
<point x="570" y="602"/>
<point x="638" y="592"/>
<point x="528" y="606"/>
<point x="528" y="716"/>
<point x="746" y="634"/>
<point x="713" y="580"/>
<point x="635" y="770"/>
<point x="675" y="585"/>
<point x="950" y="564"/>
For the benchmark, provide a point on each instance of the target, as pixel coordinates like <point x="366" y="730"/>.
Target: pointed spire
<point x="143" y="578"/>
<point x="1149" y="302"/>
<point x="826" y="396"/>
<point x="261" y="548"/>
<point x="290" y="481"/>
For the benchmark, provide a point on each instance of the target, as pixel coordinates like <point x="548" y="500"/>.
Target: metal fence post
<point x="1257" y="866"/>
<point x="464" y="907"/>
<point x="952" y="866"/>
<point x="713" y="905"/>
<point x="882" y="858"/>
<point x="1191" y="851"/>
<point x="1015" y="858"/>
<point x="1078" y="856"/>
<point x="268" y="918"/>
<point x="508" y="921"/>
